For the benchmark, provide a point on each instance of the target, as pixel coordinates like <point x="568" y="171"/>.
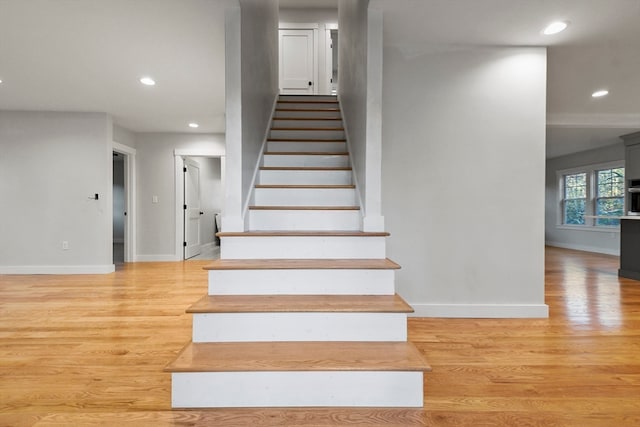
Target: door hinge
<point x="184" y="244"/>
<point x="184" y="169"/>
<point x="185" y="207"/>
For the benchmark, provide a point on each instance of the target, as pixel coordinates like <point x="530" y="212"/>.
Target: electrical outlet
<point x="65" y="245"/>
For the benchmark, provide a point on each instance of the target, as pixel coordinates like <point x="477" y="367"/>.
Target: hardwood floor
<point x="90" y="350"/>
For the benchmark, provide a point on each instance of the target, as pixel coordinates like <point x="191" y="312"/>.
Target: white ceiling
<point x="70" y="55"/>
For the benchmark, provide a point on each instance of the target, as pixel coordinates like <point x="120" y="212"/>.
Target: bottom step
<point x="298" y="374"/>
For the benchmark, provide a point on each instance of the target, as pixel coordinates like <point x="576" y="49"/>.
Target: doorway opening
<point x="119" y="208"/>
<point x="123" y="201"/>
<point x="200" y="199"/>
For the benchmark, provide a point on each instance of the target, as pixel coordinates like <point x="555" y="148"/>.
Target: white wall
<point x="51" y="166"/>
<point x="156" y="177"/>
<point x="607" y="242"/>
<point x="251" y="61"/>
<point x="352" y="78"/>
<point x="360" y="75"/>
<point x="463" y="176"/>
<point x="124" y="136"/>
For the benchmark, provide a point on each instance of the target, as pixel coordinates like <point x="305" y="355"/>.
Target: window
<point x="575" y="198"/>
<point x="591" y="194"/>
<point x="609" y="195"/>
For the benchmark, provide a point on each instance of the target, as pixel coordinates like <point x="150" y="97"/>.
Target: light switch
<point x="154" y="199"/>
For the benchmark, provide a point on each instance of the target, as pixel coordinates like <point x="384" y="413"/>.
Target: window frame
<point x="590" y="223"/>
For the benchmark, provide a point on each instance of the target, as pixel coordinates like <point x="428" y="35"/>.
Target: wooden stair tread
<point x="299" y="356"/>
<point x="309" y="129"/>
<point x="303" y="264"/>
<point x="304" y="208"/>
<point x="300" y="304"/>
<point x="318" y="186"/>
<point x="308" y="118"/>
<point x="305" y="168"/>
<point x="305" y="140"/>
<point x="302" y="233"/>
<point x="314" y="110"/>
<point x="304" y="153"/>
<point x="307" y="101"/>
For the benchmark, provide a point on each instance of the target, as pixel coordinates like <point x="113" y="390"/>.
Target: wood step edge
<point x="303" y="233"/>
<point x="303" y="208"/>
<point x="307" y="101"/>
<point x="307" y="186"/>
<point x="305" y="140"/>
<point x="305" y="168"/>
<point x="300" y="304"/>
<point x="303" y="264"/>
<point x="309" y="118"/>
<point x="314" y="110"/>
<point x="305" y="153"/>
<point x="309" y="129"/>
<point x="299" y="356"/>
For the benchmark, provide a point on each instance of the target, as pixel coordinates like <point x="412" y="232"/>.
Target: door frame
<point x="328" y="55"/>
<point x="316" y="58"/>
<point x="130" y="230"/>
<point x="178" y="156"/>
<point x="190" y="162"/>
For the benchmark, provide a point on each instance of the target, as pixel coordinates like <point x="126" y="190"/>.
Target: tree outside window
<point x="575" y="197"/>
<point x="610" y="195"/>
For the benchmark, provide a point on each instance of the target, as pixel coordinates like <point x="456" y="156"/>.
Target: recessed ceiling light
<point x="555" y="28"/>
<point x="0" y="80"/>
<point x="147" y="81"/>
<point x="193" y="125"/>
<point x="600" y="93"/>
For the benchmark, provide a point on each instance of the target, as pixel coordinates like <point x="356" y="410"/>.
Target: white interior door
<point x="192" y="210"/>
<point x="297" y="63"/>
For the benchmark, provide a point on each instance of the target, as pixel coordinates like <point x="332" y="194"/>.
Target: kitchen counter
<point x="630" y="247"/>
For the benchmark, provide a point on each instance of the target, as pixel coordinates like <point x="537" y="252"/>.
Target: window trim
<point x="590" y="207"/>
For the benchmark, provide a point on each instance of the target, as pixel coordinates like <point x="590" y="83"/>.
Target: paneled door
<point x="192" y="210"/>
<point x="297" y="62"/>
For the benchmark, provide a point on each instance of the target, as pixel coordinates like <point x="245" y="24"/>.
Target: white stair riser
<point x="332" y="98"/>
<point x="301" y="282"/>
<point x="306" y="123"/>
<point x="306" y="134"/>
<point x="324" y="220"/>
<point x="305" y="197"/>
<point x="288" y="112"/>
<point x="305" y="177"/>
<point x="297" y="388"/>
<point x="292" y="247"/>
<point x="329" y="147"/>
<point x="261" y="327"/>
<point x="306" y="160"/>
<point x="307" y="105"/>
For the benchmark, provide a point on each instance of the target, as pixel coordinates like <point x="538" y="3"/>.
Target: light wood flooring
<point x="90" y="350"/>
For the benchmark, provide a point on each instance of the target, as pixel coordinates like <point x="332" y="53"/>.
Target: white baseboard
<point x="495" y="311"/>
<point x="58" y="269"/>
<point x="584" y="248"/>
<point x="157" y="258"/>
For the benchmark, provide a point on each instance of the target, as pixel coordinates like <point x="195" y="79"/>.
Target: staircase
<point x="301" y="309"/>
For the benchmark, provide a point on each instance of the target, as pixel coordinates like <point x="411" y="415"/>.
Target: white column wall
<point x="360" y="92"/>
<point x="252" y="85"/>
<point x="463" y="179"/>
